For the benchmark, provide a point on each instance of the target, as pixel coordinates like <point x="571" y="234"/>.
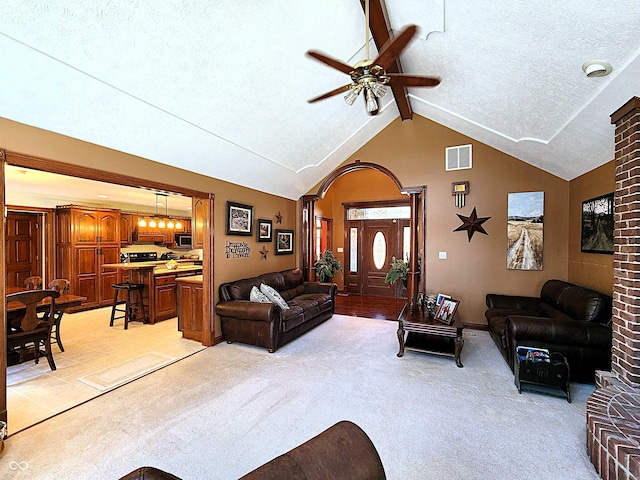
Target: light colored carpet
<point x="226" y="410"/>
<point x="126" y="372"/>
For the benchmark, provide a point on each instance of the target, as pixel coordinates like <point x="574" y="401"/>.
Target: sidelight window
<point x="353" y="249"/>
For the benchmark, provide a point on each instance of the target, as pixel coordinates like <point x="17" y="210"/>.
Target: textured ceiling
<point x="220" y="87"/>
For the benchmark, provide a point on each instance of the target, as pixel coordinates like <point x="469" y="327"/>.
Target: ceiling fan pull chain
<point x="366" y="29"/>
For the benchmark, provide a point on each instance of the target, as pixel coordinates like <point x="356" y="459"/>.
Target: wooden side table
<point x="420" y="332"/>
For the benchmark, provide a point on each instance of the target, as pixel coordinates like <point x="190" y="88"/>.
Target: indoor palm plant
<point x="327" y="266"/>
<point x="399" y="270"/>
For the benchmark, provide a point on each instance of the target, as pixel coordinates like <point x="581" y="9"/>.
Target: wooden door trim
<point x="3" y="294"/>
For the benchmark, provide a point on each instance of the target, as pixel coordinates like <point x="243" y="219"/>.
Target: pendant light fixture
<point x="157" y="220"/>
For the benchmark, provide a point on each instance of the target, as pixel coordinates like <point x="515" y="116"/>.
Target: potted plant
<point x="399" y="270"/>
<point x="327" y="266"/>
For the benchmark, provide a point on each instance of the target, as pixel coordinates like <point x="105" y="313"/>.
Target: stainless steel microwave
<point x="183" y="240"/>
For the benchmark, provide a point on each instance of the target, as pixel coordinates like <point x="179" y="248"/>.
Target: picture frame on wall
<point x="597" y="225"/>
<point x="447" y="310"/>
<point x="239" y="219"/>
<point x="265" y="232"/>
<point x="284" y="242"/>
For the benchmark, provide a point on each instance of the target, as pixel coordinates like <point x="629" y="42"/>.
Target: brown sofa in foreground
<point x="566" y="318"/>
<point x="266" y="324"/>
<point x="342" y="452"/>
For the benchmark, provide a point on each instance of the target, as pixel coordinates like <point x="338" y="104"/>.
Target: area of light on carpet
<point x="125" y="372"/>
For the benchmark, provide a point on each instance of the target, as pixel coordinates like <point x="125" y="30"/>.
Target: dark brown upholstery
<point x="265" y="324"/>
<point x="566" y="318"/>
<point x="342" y="452"/>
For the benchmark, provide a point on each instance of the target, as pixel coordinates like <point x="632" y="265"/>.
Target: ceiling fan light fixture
<point x="372" y="103"/>
<point x="596" y="68"/>
<point x="352" y="95"/>
<point x="379" y="89"/>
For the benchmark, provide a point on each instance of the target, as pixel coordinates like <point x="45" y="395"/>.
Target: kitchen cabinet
<point x="190" y="314"/>
<point x="86" y="240"/>
<point x="165" y="297"/>
<point x="127" y="221"/>
<point x="198" y="222"/>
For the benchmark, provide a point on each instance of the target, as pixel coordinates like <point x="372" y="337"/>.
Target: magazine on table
<point x="534" y="354"/>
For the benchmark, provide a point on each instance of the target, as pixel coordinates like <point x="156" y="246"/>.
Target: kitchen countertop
<point x="159" y="268"/>
<point x="190" y="279"/>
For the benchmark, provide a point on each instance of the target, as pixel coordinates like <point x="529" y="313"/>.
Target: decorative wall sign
<point x="472" y="224"/>
<point x="239" y="219"/>
<point x="460" y="191"/>
<point x="525" y="227"/>
<point x="597" y="225"/>
<point x="284" y="242"/>
<point x="237" y="249"/>
<point x="265" y="233"/>
<point x="263" y="253"/>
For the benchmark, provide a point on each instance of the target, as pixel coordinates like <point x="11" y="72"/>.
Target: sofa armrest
<point x="247" y="310"/>
<point x="558" y="331"/>
<point x="513" y="302"/>
<point x="318" y="287"/>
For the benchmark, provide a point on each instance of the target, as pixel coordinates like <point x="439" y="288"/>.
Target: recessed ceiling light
<point x="596" y="68"/>
<point x="103" y="196"/>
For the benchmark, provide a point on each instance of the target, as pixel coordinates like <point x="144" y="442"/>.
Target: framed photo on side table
<point x="239" y="219"/>
<point x="265" y="234"/>
<point x="440" y="297"/>
<point x="447" y="310"/>
<point x="284" y="242"/>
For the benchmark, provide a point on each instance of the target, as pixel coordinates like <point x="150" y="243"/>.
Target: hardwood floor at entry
<point x="384" y="308"/>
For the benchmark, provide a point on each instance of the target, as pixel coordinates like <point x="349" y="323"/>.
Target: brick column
<point x="625" y="360"/>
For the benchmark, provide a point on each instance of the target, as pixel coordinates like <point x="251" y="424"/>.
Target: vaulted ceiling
<point x="220" y="87"/>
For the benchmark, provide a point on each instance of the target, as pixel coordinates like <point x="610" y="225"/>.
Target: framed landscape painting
<point x="239" y="219"/>
<point x="525" y="230"/>
<point x="597" y="225"/>
<point x="284" y="242"/>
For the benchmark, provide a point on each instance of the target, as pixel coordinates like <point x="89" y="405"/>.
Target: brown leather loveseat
<point x="266" y="324"/>
<point x="572" y="320"/>
<point x="342" y="452"/>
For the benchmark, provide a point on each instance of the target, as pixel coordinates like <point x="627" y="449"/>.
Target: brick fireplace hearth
<point x="613" y="411"/>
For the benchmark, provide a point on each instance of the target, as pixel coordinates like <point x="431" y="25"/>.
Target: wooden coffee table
<point x="419" y="332"/>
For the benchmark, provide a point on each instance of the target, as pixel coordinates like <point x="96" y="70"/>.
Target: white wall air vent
<point x="458" y="158"/>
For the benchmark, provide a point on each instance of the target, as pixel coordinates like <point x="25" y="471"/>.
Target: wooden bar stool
<point x="130" y="307"/>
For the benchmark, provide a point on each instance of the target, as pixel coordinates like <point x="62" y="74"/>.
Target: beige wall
<point x="20" y="138"/>
<point x="594" y="270"/>
<point x="414" y="151"/>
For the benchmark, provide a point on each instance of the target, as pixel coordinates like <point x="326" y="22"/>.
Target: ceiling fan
<point x="371" y="75"/>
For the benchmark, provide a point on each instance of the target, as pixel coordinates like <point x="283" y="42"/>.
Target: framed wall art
<point x="239" y="219"/>
<point x="597" y="225"/>
<point x="265" y="233"/>
<point x="525" y="230"/>
<point x="284" y="242"/>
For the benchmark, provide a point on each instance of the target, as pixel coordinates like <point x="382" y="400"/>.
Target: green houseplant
<point x="399" y="270"/>
<point x="327" y="266"/>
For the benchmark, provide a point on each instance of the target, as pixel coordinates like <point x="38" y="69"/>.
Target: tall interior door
<point x="371" y="246"/>
<point x="24" y="247"/>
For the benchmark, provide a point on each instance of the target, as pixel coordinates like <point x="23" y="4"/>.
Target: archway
<point x="417" y="203"/>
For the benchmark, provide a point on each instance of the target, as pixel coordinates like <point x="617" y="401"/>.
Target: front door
<point x="371" y="246"/>
<point x="23" y="247"/>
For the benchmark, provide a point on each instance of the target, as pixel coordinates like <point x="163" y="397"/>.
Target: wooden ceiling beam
<point x="381" y="31"/>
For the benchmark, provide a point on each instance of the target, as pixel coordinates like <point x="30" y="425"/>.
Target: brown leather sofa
<point x="572" y="320"/>
<point x="342" y="452"/>
<point x="266" y="324"/>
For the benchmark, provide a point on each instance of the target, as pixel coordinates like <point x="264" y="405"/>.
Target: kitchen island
<point x="159" y="294"/>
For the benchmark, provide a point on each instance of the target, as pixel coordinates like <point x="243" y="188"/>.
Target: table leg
<point x="459" y="343"/>
<point x="401" y="339"/>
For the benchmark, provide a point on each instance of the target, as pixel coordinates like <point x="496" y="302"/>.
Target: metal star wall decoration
<point x="472" y="223"/>
<point x="278" y="217"/>
<point x="263" y="253"/>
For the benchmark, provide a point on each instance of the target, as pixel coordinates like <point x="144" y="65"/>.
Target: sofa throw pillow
<point x="257" y="296"/>
<point x="274" y="296"/>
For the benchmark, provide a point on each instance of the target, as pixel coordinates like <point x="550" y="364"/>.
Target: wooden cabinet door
<point x="190" y="298"/>
<point x="126" y="229"/>
<point x="109" y="224"/>
<point x="86" y="282"/>
<point x="86" y="227"/>
<point x="165" y="301"/>
<point x="198" y="222"/>
<point x="108" y="276"/>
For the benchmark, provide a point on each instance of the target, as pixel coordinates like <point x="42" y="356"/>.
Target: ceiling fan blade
<point x="412" y="80"/>
<point x="337" y="91"/>
<point x="392" y="49"/>
<point x="332" y="62"/>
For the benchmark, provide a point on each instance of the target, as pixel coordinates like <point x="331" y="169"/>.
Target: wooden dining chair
<point x="33" y="283"/>
<point x="60" y="285"/>
<point x="26" y="330"/>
